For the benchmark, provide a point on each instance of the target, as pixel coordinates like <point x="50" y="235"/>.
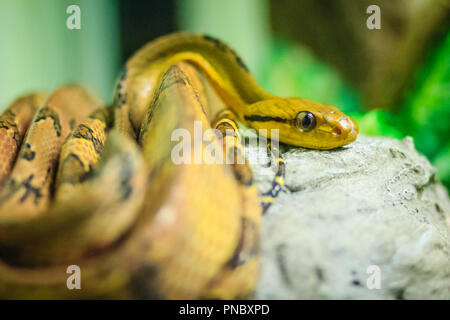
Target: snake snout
<point x="347" y="129"/>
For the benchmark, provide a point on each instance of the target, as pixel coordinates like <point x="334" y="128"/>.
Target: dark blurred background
<point x="394" y="81"/>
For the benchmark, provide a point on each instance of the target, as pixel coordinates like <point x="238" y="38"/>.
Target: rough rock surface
<point x="376" y="202"/>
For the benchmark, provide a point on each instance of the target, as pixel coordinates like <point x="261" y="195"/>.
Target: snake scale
<point x="95" y="186"/>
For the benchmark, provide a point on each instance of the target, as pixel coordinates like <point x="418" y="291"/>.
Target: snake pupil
<point x="305" y="121"/>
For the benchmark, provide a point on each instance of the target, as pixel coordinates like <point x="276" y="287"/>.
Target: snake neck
<point x="222" y="67"/>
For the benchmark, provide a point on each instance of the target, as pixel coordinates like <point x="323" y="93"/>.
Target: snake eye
<point x="305" y="121"/>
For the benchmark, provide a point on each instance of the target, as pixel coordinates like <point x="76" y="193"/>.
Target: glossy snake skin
<point x="94" y="186"/>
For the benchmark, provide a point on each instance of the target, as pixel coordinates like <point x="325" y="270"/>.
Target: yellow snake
<point x="96" y="186"/>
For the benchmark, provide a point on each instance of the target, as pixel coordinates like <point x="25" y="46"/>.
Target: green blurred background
<point x="394" y="81"/>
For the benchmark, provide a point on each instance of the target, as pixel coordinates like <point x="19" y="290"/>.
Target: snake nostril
<point x="337" y="131"/>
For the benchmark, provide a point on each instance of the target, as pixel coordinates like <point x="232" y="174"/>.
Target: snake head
<point x="303" y="123"/>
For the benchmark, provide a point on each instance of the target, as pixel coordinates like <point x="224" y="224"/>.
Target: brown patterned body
<point x="99" y="187"/>
<point x="26" y="193"/>
<point x="14" y="123"/>
<point x="138" y="225"/>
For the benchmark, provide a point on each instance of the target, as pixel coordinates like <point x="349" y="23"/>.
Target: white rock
<point x="376" y="202"/>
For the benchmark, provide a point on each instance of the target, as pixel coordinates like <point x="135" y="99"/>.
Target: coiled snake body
<point x="93" y="186"/>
